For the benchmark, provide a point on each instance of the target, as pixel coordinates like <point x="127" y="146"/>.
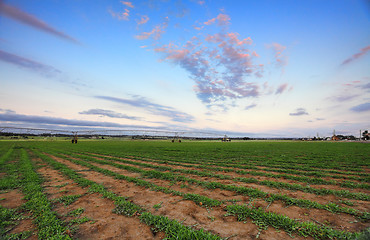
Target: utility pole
<point x="360" y="134"/>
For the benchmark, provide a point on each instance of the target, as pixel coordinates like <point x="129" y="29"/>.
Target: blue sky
<point x="260" y="68"/>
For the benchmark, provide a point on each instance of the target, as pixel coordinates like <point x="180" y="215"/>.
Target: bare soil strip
<point x="260" y="167"/>
<point x="104" y="224"/>
<point x="319" y="216"/>
<point x="362" y="205"/>
<point x="174" y="207"/>
<point x="293" y="212"/>
<point x="194" y="167"/>
<point x="14" y="199"/>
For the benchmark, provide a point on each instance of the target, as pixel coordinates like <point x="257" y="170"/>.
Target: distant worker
<point x="74" y="140"/>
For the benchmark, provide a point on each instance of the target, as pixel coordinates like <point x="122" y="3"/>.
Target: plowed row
<point x="104" y="193"/>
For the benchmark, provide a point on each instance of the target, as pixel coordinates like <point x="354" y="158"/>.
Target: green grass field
<point x="187" y="190"/>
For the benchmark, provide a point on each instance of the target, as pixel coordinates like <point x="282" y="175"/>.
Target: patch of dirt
<point x="234" y="174"/>
<point x="359" y="205"/>
<point x="183" y="212"/>
<point x="293" y="212"/>
<point x="104" y="223"/>
<point x="14" y="199"/>
<point x="174" y="207"/>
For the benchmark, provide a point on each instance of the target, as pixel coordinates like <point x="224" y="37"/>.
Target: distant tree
<point x="365" y="135"/>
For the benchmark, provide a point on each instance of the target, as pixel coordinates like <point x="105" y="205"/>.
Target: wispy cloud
<point x="282" y="88"/>
<point x="120" y="16"/>
<point x="221" y="20"/>
<point x="144" y="19"/>
<point x="250" y="106"/>
<point x="127" y="4"/>
<point x="7" y="111"/>
<point x="364" y="107"/>
<point x="281" y="59"/>
<point x="22" y="62"/>
<point x="30" y="20"/>
<point x="108" y="113"/>
<point x="155" y="33"/>
<point x="153" y="108"/>
<point x="344" y="97"/>
<point x="299" y="112"/>
<point x="14" y="118"/>
<point x="356" y="56"/>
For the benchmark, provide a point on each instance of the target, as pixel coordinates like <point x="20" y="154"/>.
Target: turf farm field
<point x="189" y="190"/>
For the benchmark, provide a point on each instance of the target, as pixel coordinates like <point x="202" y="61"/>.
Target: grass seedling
<point x="157" y="206"/>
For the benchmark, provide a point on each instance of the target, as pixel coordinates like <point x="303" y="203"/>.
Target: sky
<point x="267" y="68"/>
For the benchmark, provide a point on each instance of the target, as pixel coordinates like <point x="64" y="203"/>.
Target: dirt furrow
<point x="260" y="178"/>
<point x="321" y="216"/>
<point x="175" y="207"/>
<point x="104" y="224"/>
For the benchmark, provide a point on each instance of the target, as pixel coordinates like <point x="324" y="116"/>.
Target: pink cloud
<point x="127" y="4"/>
<point x="222" y="19"/>
<point x="120" y="16"/>
<point x="201" y="2"/>
<point x="281" y="88"/>
<point x="30" y="20"/>
<point x="210" y="21"/>
<point x="233" y="38"/>
<point x="144" y="19"/>
<point x="156" y="32"/>
<point x="255" y="54"/>
<point x="219" y="64"/>
<point x="281" y="60"/>
<point x="356" y="56"/>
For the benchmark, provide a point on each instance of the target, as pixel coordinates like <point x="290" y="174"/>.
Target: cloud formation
<point x="108" y="113"/>
<point x="364" y="107"/>
<point x="299" y="112"/>
<point x="281" y="59"/>
<point x="281" y="88"/>
<point x="144" y="19"/>
<point x="153" y="108"/>
<point x="127" y="4"/>
<point x="250" y="106"/>
<point x="120" y="16"/>
<point x="155" y="33"/>
<point x="14" y="117"/>
<point x="22" y="62"/>
<point x="221" y="20"/>
<point x="30" y="20"/>
<point x="219" y="64"/>
<point x="356" y="56"/>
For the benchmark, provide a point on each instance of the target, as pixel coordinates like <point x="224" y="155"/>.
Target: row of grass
<point x="10" y="217"/>
<point x="259" y="216"/>
<point x="243" y="158"/>
<point x="273" y="184"/>
<point x="324" y="155"/>
<point x="198" y="199"/>
<point x="172" y="228"/>
<point x="304" y="179"/>
<point x="251" y="192"/>
<point x="303" y="175"/>
<point x="47" y="221"/>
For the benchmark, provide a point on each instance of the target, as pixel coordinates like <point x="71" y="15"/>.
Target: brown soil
<point x="360" y="205"/>
<point x="277" y="207"/>
<point x="261" y="178"/>
<point x="14" y="199"/>
<point x="104" y="223"/>
<point x="175" y="208"/>
<point x="185" y="211"/>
